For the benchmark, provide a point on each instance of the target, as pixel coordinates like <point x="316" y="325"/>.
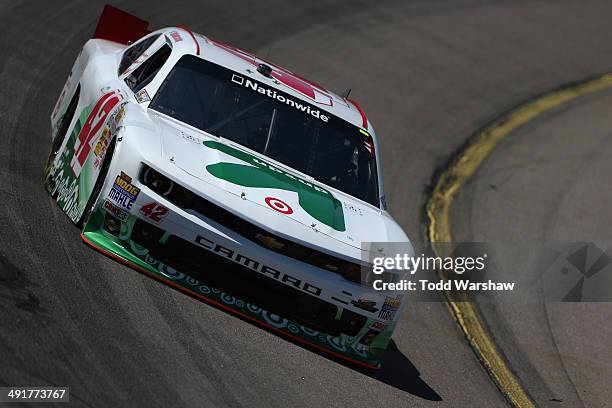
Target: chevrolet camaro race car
<point x="226" y="177"/>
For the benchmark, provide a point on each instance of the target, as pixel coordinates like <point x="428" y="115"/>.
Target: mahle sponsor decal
<point x="123" y="192"/>
<point x="316" y="201"/>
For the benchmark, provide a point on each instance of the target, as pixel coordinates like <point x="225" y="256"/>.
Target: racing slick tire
<point x="95" y="193"/>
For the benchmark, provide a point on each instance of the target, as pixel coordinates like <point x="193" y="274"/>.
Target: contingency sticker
<point x="123" y="192"/>
<point x="115" y="211"/>
<point x="390" y="307"/>
<point x="142" y="96"/>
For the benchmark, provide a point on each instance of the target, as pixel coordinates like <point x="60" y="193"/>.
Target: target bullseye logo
<point x="279" y="205"/>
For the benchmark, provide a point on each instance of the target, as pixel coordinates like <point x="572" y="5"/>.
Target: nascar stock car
<point x="226" y="177"/>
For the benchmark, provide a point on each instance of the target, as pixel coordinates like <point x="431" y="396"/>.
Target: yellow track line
<point x="439" y="229"/>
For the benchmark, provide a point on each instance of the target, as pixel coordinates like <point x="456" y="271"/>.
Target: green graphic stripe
<point x="79" y="125"/>
<point x="316" y="201"/>
<point x="68" y="152"/>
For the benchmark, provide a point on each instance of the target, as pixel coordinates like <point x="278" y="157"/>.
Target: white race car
<point x="229" y="178"/>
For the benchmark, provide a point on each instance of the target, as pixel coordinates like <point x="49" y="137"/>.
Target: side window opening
<point x="145" y="73"/>
<point x="134" y="52"/>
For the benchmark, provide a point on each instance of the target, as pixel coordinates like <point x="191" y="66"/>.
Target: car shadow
<point x="398" y="371"/>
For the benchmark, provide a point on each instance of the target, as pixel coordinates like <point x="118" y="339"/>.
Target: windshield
<point x="271" y="122"/>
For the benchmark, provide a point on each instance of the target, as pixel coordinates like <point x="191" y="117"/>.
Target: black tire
<point x="95" y="193"/>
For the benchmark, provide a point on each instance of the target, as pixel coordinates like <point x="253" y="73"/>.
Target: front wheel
<point x="95" y="193"/>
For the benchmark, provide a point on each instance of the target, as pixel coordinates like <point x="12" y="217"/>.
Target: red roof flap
<point x="119" y="26"/>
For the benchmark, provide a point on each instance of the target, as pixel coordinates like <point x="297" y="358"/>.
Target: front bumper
<point x="192" y="255"/>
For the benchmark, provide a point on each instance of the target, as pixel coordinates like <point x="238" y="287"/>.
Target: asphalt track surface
<point x="428" y="74"/>
<point x="556" y="194"/>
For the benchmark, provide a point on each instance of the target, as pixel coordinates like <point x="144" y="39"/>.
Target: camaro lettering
<point x="249" y="263"/>
<point x="228" y="253"/>
<point x="270" y="271"/>
<point x="311" y="289"/>
<point x="256" y="266"/>
<point x="206" y="243"/>
<point x="292" y="280"/>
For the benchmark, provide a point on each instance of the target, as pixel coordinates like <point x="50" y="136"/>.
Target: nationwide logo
<point x="257" y="173"/>
<point x="272" y="93"/>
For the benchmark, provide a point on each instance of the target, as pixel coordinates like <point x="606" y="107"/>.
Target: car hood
<point x="277" y="188"/>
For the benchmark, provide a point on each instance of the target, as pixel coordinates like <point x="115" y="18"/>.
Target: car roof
<point x="189" y="43"/>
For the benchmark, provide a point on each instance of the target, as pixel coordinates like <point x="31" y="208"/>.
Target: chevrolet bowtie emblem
<point x="269" y="242"/>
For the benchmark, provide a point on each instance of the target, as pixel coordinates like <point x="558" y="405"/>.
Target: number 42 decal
<point x="154" y="211"/>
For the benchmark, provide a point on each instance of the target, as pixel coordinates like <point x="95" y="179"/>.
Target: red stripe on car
<point x="361" y="112"/>
<point x="192" y="37"/>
